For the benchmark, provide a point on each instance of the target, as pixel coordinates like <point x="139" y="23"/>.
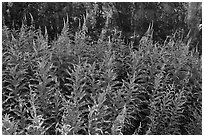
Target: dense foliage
<point x="75" y="85"/>
<point x="132" y="19"/>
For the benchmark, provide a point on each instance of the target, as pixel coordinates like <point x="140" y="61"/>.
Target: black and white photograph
<point x="101" y="68"/>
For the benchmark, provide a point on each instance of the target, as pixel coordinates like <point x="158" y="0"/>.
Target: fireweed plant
<point x="76" y="87"/>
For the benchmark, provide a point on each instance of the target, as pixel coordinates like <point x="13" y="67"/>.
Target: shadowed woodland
<point x="101" y="68"/>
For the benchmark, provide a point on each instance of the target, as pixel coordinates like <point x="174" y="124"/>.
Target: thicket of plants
<point x="131" y="18"/>
<point x="76" y="86"/>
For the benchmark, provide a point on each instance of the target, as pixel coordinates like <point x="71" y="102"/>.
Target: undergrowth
<point x="73" y="86"/>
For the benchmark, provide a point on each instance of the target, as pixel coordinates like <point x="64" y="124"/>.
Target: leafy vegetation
<point x="130" y="18"/>
<point x="74" y="86"/>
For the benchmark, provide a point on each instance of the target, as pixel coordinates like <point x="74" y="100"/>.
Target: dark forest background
<point x="131" y="19"/>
